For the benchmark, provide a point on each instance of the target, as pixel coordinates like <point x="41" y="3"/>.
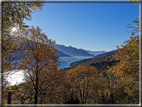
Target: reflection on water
<point x="65" y="61"/>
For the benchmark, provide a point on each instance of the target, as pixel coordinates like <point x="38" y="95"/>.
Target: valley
<point x="67" y="61"/>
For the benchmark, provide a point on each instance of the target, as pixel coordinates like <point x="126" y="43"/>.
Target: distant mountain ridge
<point x="95" y="52"/>
<point x="64" y="51"/>
<point x="72" y="51"/>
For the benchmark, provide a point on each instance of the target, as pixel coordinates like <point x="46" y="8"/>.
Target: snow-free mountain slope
<point x="72" y="51"/>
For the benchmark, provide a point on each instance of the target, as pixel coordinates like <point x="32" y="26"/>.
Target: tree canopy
<point x="40" y="63"/>
<point x="13" y="15"/>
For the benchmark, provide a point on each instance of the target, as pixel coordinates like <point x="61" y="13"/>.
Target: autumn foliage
<point x="112" y="80"/>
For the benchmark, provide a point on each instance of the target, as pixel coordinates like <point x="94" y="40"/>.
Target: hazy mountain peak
<point x="72" y="51"/>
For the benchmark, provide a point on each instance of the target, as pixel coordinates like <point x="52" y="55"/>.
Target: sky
<point x="89" y="26"/>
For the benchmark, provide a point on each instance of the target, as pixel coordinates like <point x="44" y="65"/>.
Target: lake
<point x="65" y="61"/>
<point x="17" y="77"/>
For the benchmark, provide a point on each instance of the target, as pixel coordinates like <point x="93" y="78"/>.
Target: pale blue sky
<point x="90" y="26"/>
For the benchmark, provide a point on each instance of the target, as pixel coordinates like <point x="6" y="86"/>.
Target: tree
<point x="13" y="15"/>
<point x="40" y="63"/>
<point x="127" y="70"/>
<point x="82" y="81"/>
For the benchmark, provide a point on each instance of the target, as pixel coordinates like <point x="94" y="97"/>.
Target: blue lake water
<point x="65" y="61"/>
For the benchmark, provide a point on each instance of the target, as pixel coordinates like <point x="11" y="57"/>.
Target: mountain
<point x="72" y="51"/>
<point x="95" y="52"/>
<point x="61" y="54"/>
<point x="64" y="51"/>
<point x="96" y="58"/>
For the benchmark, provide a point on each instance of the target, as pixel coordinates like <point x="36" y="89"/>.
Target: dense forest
<point x="111" y="78"/>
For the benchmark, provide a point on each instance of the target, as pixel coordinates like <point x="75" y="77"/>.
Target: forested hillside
<point x="96" y="58"/>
